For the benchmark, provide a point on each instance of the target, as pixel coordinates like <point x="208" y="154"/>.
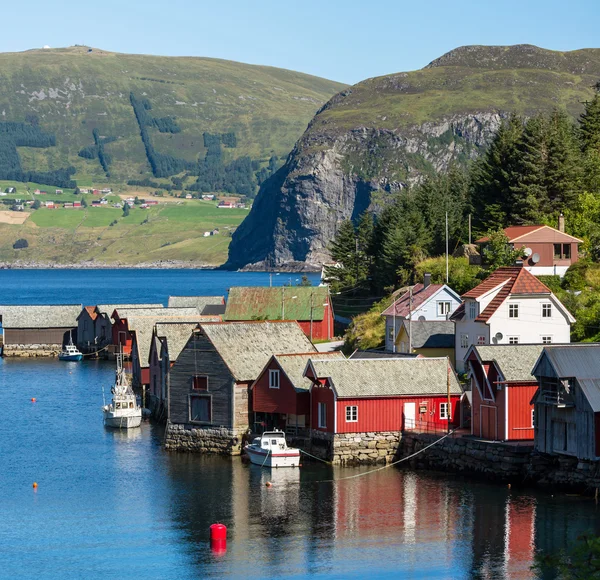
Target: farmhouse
<point x="205" y="304"/>
<point x="511" y="306"/>
<point x="309" y="306"/>
<point x="502" y="387"/>
<point x="210" y="405"/>
<point x="359" y="407"/>
<point x="424" y="301"/>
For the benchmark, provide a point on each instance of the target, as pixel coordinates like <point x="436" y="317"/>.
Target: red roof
<point x="516" y="280"/>
<point x="420" y="294"/>
<point x="91" y="310"/>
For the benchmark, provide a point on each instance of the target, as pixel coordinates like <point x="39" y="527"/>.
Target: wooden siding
<point x="321" y="329"/>
<point x="546" y="253"/>
<point x="38" y="335"/>
<point x="322" y="394"/>
<point x="86" y="329"/>
<point x="200" y="357"/>
<point x="155" y="371"/>
<point x="121" y="336"/>
<point x="285" y="399"/>
<point x="520" y="408"/>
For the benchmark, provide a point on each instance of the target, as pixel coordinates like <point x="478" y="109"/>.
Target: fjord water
<point x="113" y="504"/>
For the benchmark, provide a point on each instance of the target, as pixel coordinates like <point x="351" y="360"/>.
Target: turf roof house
<point x="360" y="407"/>
<point x="208" y="305"/>
<point x="310" y="306"/>
<point x="502" y="387"/>
<point x="428" y="302"/>
<point x="281" y="393"/>
<point x="44" y="329"/>
<point x="511" y="306"/>
<point x="209" y="384"/>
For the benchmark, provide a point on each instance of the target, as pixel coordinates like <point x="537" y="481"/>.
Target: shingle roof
<point x="276" y="303"/>
<point x="373" y="354"/>
<point x="387" y="377"/>
<point x="108" y="309"/>
<point x="176" y="334"/>
<point x="56" y="316"/>
<point x="204" y="304"/>
<point x="293" y="366"/>
<point x="247" y="346"/>
<point x="430" y="333"/>
<point x="542" y="234"/>
<point x="515" y="361"/>
<point x="420" y="294"/>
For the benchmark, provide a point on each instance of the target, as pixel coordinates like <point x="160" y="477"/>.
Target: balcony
<point x="556" y="398"/>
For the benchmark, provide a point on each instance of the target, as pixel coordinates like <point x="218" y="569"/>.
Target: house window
<point x="443" y="308"/>
<point x="391" y="333"/>
<point x="322" y="415"/>
<point x="546" y="310"/>
<point x="546" y="340"/>
<point x="473" y="310"/>
<point x="562" y="251"/>
<point x="481" y="340"/>
<point x="532" y="418"/>
<point x="464" y="341"/>
<point x="200" y="408"/>
<point x="273" y="379"/>
<point x="513" y="340"/>
<point x="513" y="311"/>
<point x="557" y="251"/>
<point x="444" y="411"/>
<point x="200" y="383"/>
<point x="351" y="414"/>
<point x="567" y="251"/>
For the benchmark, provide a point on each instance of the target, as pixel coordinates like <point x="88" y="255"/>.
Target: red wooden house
<point x="502" y="388"/>
<point x="309" y="306"/>
<point x="281" y="393"/>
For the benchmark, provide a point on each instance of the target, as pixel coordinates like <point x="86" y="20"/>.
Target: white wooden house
<point x="511" y="306"/>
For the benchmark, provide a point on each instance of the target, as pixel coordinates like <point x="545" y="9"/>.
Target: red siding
<point x="285" y="399"/>
<point x="120" y="327"/>
<point x="546" y="252"/>
<point x="145" y="379"/>
<point x="322" y="395"/>
<point x="321" y="329"/>
<point x="519" y="411"/>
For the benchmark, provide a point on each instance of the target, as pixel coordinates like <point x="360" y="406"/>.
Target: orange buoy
<point x="218" y="539"/>
<point x="268" y="484"/>
<point x="35" y="485"/>
<point x="33" y="399"/>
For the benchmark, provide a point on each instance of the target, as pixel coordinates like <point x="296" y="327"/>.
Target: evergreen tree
<point x="589" y="125"/>
<point x="344" y="251"/>
<point x="125" y="209"/>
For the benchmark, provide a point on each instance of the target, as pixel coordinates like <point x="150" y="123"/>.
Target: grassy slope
<point x="73" y="91"/>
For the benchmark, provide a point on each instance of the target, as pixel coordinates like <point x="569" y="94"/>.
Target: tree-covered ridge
<point x="97" y="151"/>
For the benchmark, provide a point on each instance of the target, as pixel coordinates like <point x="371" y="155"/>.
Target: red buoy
<point x="218" y="539"/>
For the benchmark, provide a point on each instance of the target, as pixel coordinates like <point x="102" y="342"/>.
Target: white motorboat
<point x="271" y="450"/>
<point x="70" y="352"/>
<point x="124" y="412"/>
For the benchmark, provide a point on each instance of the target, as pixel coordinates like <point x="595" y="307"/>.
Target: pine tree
<point x="589" y="125"/>
<point x="344" y="251"/>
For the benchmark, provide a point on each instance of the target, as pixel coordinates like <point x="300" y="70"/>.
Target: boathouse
<point x="567" y="402"/>
<point x="502" y="387"/>
<point x="38" y="330"/>
<point x="310" y="306"/>
<point x="207" y="305"/>
<point x="281" y="393"/>
<point x="209" y="384"/>
<point x="360" y="407"/>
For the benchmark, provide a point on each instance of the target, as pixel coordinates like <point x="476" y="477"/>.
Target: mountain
<point x="384" y="133"/>
<point x="85" y="115"/>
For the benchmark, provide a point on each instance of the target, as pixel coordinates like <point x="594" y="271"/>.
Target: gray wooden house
<point x="567" y="402"/>
<point x="209" y="384"/>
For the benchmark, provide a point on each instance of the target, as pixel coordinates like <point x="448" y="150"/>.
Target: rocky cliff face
<point x="383" y="134"/>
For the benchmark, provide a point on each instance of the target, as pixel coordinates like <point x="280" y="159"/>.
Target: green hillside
<point x="74" y="107"/>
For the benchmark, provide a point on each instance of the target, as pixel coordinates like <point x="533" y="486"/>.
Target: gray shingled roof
<point x="293" y="366"/>
<point x="58" y="316"/>
<point x="374" y="354"/>
<point x="431" y="333"/>
<point x="515" y="361"/>
<point x="247" y="346"/>
<point x="176" y="334"/>
<point x="204" y="304"/>
<point x="387" y="377"/>
<point x="108" y="309"/>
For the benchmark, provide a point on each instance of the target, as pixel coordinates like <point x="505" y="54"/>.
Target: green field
<point x="168" y="231"/>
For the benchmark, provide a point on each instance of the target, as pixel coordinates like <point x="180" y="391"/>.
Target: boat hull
<point x="118" y="421"/>
<point x="288" y="458"/>
<point x="70" y="357"/>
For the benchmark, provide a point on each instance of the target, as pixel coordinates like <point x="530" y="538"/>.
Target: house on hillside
<point x="281" y="393"/>
<point x="38" y="328"/>
<point x="567" y="402"/>
<point x="310" y="306"/>
<point x="209" y="384"/>
<point x="213" y="305"/>
<point x="359" y="408"/>
<point x="424" y="301"/>
<point x="430" y="338"/>
<point x="502" y="387"/>
<point x="548" y="251"/>
<point x="511" y="306"/>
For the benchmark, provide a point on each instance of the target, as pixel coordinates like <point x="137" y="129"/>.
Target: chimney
<point x="426" y="279"/>
<point x="561" y="223"/>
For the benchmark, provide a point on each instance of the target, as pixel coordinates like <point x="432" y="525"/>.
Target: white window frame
<point x="533" y="418"/>
<point x="464" y="341"/>
<point x="274" y="384"/>
<point x="480" y="340"/>
<point x="513" y="340"/>
<point x="547" y="339"/>
<point x="352" y="412"/>
<point x="444" y="411"/>
<point x="547" y="310"/>
<point x="513" y="311"/>
<point x="473" y="310"/>
<point x="443" y="307"/>
<point x="322" y="415"/>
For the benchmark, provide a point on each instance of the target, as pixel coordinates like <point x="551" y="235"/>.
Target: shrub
<point x="21" y="243"/>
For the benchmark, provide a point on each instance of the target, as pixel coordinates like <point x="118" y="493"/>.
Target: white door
<point x="409" y="415"/>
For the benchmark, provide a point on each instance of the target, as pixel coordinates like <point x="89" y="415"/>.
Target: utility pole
<point x="448" y="389"/>
<point x="394" y="328"/>
<point x="410" y="320"/>
<point x="283" y="303"/>
<point x="446" y="247"/>
<point x="356" y="242"/>
<point x="311" y="315"/>
<point x="469" y="229"/>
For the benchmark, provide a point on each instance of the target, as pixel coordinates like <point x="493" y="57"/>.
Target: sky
<point x="346" y="41"/>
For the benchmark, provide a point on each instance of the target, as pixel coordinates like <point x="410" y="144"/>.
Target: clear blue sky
<point x="342" y="40"/>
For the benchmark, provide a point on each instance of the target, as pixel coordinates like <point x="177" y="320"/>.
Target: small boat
<point x="124" y="412"/>
<point x="271" y="450"/>
<point x="70" y="352"/>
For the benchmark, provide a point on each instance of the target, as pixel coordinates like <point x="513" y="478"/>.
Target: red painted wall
<point x="546" y="253"/>
<point x="122" y="326"/>
<point x="285" y="399"/>
<point x="321" y="329"/>
<point x="519" y="411"/>
<point x="322" y="395"/>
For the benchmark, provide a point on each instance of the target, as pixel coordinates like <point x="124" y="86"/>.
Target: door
<point x="409" y="415"/>
<point x="489" y="424"/>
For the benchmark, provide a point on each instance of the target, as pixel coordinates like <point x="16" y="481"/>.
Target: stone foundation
<point x="31" y="350"/>
<point x="195" y="439"/>
<point x="355" y="448"/>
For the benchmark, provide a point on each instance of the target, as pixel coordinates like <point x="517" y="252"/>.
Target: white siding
<point x="473" y="330"/>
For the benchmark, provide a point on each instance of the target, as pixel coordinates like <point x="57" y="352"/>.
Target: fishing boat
<point x="70" y="352"/>
<point x="124" y="412"/>
<point x="271" y="450"/>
